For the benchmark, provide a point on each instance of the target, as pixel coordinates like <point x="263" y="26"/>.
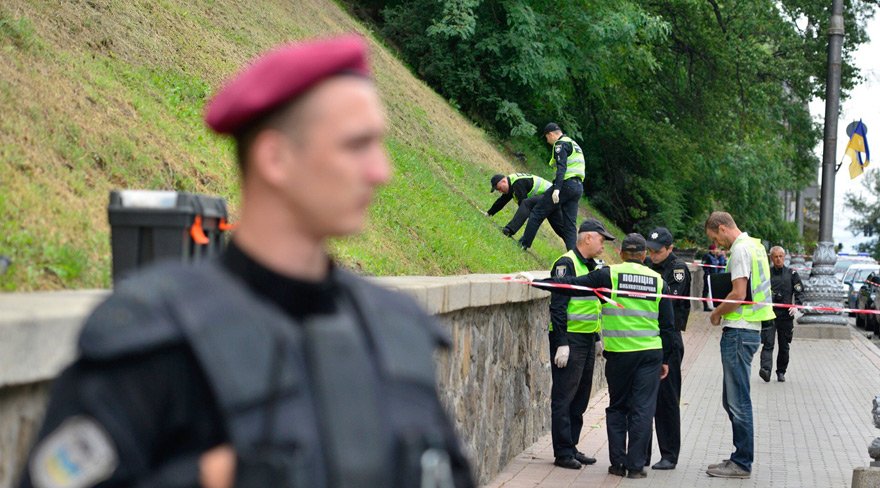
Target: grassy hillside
<point x="105" y="94"/>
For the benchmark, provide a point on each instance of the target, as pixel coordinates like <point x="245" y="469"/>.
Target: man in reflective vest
<point x="574" y="327"/>
<point x="749" y="271"/>
<point x="568" y="158"/>
<point x="637" y="333"/>
<point x="527" y="190"/>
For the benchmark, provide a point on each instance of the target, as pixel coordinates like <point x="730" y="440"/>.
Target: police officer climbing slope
<point x="270" y="367"/>
<point x="667" y="418"/>
<point x="568" y="158"/>
<point x="526" y="189"/>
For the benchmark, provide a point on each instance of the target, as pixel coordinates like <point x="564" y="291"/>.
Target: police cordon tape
<point x="720" y="266"/>
<point x="599" y="292"/>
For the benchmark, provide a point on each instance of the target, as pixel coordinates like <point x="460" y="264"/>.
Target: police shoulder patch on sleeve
<point x="558" y="147"/>
<point x="678" y="275"/>
<point x="78" y="454"/>
<point x="798" y="287"/>
<point x="560" y="270"/>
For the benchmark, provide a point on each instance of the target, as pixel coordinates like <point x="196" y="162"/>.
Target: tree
<point x="867" y="209"/>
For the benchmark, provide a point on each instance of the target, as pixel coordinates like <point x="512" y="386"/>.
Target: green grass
<point x="109" y="94"/>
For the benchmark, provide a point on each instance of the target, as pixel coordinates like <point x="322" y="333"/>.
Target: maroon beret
<point x="281" y="75"/>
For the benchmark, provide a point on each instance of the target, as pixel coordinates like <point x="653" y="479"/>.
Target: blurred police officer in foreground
<point x="638" y="338"/>
<point x="787" y="288"/>
<point x="271" y="367"/>
<point x="527" y="190"/>
<point x="677" y="276"/>
<point x="568" y="158"/>
<point x="574" y="329"/>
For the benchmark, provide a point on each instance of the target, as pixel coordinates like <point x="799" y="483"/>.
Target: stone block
<point x="499" y="292"/>
<point x="481" y="293"/>
<point x="866" y="477"/>
<point x="821" y="331"/>
<point x="458" y="296"/>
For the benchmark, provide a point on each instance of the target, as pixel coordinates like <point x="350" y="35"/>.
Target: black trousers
<point x="633" y="382"/>
<point x="525" y="209"/>
<point x="569" y="396"/>
<point x="667" y="418"/>
<point x="566" y="218"/>
<point x="769" y="331"/>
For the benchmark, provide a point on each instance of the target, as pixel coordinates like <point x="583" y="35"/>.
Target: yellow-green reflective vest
<point x="576" y="165"/>
<point x="760" y="284"/>
<point x="636" y="326"/>
<point x="539" y="185"/>
<point x="583" y="312"/>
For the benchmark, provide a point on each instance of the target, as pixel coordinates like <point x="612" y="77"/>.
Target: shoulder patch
<point x="798" y="287"/>
<point x="560" y="271"/>
<point x="678" y="275"/>
<point x="558" y="147"/>
<point x="78" y="454"/>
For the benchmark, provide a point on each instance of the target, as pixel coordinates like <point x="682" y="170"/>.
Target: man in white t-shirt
<point x="749" y="272"/>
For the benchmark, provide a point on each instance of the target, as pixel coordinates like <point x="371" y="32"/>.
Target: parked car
<point x="854" y="278"/>
<point x="844" y="261"/>
<point x="867" y="300"/>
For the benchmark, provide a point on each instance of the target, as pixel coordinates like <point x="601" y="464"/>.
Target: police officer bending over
<point x="638" y="340"/>
<point x="526" y="189"/>
<point x="787" y="288"/>
<point x="677" y="276"/>
<point x="271" y="367"/>
<point x="574" y="329"/>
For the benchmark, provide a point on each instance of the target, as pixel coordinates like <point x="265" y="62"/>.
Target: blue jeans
<point x="738" y="346"/>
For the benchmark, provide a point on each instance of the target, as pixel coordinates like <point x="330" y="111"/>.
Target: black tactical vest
<point x="343" y="400"/>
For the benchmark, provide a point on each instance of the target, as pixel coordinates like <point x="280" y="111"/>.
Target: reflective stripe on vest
<point x="634" y="327"/>
<point x="539" y="185"/>
<point x="576" y="166"/>
<point x="762" y="310"/>
<point x="583" y="312"/>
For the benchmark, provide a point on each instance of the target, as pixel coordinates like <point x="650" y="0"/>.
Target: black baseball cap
<point x="633" y="243"/>
<point x="658" y="238"/>
<point x="495" y="179"/>
<point x="593" y="225"/>
<point x="551" y="127"/>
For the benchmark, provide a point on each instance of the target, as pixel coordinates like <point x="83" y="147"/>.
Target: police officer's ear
<point x="269" y="156"/>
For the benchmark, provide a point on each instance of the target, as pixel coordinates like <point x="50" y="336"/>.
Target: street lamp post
<point x="823" y="289"/>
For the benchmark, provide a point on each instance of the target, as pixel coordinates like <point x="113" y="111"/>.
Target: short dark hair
<point x="633" y="255"/>
<point x="717" y="219"/>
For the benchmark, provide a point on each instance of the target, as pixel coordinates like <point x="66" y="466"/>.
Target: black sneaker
<point x="664" y="464"/>
<point x="506" y="232"/>
<point x="617" y="470"/>
<point x="567" y="462"/>
<point x="637" y="474"/>
<point x="584" y="459"/>
<point x="765" y="375"/>
<point x="780" y="377"/>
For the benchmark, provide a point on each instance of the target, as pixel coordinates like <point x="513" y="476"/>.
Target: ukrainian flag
<point x="858" y="144"/>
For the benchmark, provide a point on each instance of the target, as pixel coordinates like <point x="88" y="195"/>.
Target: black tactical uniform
<point x="786" y="285"/>
<point x="327" y="384"/>
<point x="667" y="418"/>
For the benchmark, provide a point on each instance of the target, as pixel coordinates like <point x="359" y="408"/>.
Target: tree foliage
<point x="682" y="106"/>
<point x="867" y="209"/>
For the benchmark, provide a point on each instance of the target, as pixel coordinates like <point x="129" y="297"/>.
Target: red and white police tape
<point x="599" y="292"/>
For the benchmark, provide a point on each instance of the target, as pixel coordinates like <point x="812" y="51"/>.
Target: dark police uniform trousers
<point x="667" y="419"/>
<point x="169" y="370"/>
<point x="564" y="221"/>
<point x="524" y="210"/>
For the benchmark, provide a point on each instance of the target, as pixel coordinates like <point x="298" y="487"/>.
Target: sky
<point x="863" y="103"/>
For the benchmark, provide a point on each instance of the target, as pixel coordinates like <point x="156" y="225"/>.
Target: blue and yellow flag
<point x="858" y="144"/>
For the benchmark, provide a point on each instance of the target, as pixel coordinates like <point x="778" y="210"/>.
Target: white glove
<point x="486" y="214"/>
<point x="555" y="196"/>
<point x="791" y="312"/>
<point x="561" y="358"/>
<point x="525" y="276"/>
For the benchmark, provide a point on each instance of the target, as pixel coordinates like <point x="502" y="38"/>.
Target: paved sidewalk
<point x="810" y="431"/>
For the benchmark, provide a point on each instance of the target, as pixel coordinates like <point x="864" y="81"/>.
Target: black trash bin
<point x="147" y="226"/>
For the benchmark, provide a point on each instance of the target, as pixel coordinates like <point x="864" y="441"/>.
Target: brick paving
<point x="810" y="431"/>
